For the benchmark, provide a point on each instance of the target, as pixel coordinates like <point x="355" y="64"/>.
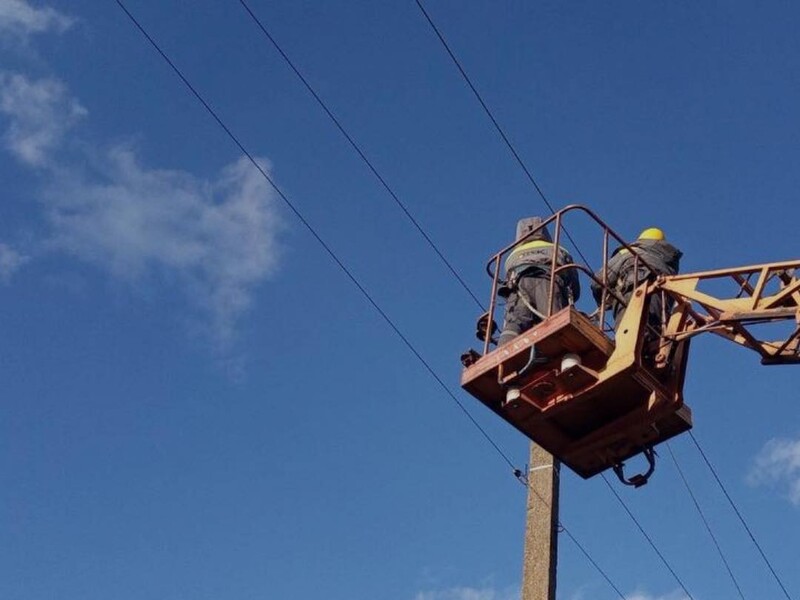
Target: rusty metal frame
<point x="494" y="266"/>
<point x="699" y="312"/>
<point x="649" y="368"/>
<point x="695" y="311"/>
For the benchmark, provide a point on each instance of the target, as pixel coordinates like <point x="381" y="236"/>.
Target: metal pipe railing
<point x="493" y="266"/>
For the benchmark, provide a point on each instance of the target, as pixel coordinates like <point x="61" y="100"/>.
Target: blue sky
<point x="197" y="404"/>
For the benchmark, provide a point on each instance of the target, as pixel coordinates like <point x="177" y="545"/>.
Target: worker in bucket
<point x="625" y="272"/>
<point x="528" y="274"/>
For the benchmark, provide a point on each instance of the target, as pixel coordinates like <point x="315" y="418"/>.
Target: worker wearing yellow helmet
<point x="527" y="285"/>
<point x="652" y="233"/>
<point x="657" y="257"/>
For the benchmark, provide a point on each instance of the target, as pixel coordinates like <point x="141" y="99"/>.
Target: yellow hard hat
<point x="652" y="233"/>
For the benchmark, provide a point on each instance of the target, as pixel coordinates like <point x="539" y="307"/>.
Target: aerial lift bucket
<point x="608" y="401"/>
<point x="593" y="402"/>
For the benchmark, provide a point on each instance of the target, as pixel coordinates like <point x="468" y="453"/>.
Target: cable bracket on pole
<point x="520" y="475"/>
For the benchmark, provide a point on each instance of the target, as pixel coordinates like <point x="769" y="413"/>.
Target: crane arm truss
<point x="737" y="304"/>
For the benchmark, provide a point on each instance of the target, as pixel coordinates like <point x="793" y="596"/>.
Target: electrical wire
<point x="517" y="472"/>
<point x="260" y="24"/>
<point x="574" y="540"/>
<point x="705" y="522"/>
<point x="348" y="273"/>
<point x="740" y="516"/>
<point x="496" y="124"/>
<point x="539" y="190"/>
<point x="455" y="273"/>
<point x="647" y="537"/>
<point x="592" y="561"/>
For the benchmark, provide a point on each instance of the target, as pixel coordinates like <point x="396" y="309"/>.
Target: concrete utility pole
<point x="541" y="529"/>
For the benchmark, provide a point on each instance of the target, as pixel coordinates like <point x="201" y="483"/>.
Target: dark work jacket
<point x="538" y="254"/>
<point x="663" y="257"/>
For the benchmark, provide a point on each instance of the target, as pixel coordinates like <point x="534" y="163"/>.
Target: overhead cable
<point x="496" y="124"/>
<point x="517" y="472"/>
<point x="647" y="537"/>
<point x="391" y="192"/>
<point x="541" y="193"/>
<point x="705" y="522"/>
<point x="348" y="273"/>
<point x="592" y="561"/>
<point x="260" y="24"/>
<point x="740" y="516"/>
<point x="575" y="541"/>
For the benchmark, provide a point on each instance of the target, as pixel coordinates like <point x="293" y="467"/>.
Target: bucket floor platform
<point x="592" y="415"/>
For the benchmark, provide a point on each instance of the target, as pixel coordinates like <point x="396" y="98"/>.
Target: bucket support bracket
<point x="639" y="479"/>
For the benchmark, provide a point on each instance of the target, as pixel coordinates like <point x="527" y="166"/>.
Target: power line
<point x="647" y="537"/>
<point x="495" y="122"/>
<point x="353" y="279"/>
<point x="705" y="522"/>
<point x="348" y="273"/>
<point x="591" y="560"/>
<point x="360" y="153"/>
<point x="391" y="192"/>
<point x="575" y="541"/>
<point x="461" y="281"/>
<point x="541" y="193"/>
<point x="740" y="516"/>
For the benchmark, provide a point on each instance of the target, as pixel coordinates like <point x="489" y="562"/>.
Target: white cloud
<point x="10" y="261"/>
<point x="469" y="593"/>
<point x="513" y="593"/>
<point x="216" y="239"/>
<point x="778" y="464"/>
<point x="40" y="112"/>
<point x="578" y="594"/>
<point x="639" y="595"/>
<point x="19" y="19"/>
